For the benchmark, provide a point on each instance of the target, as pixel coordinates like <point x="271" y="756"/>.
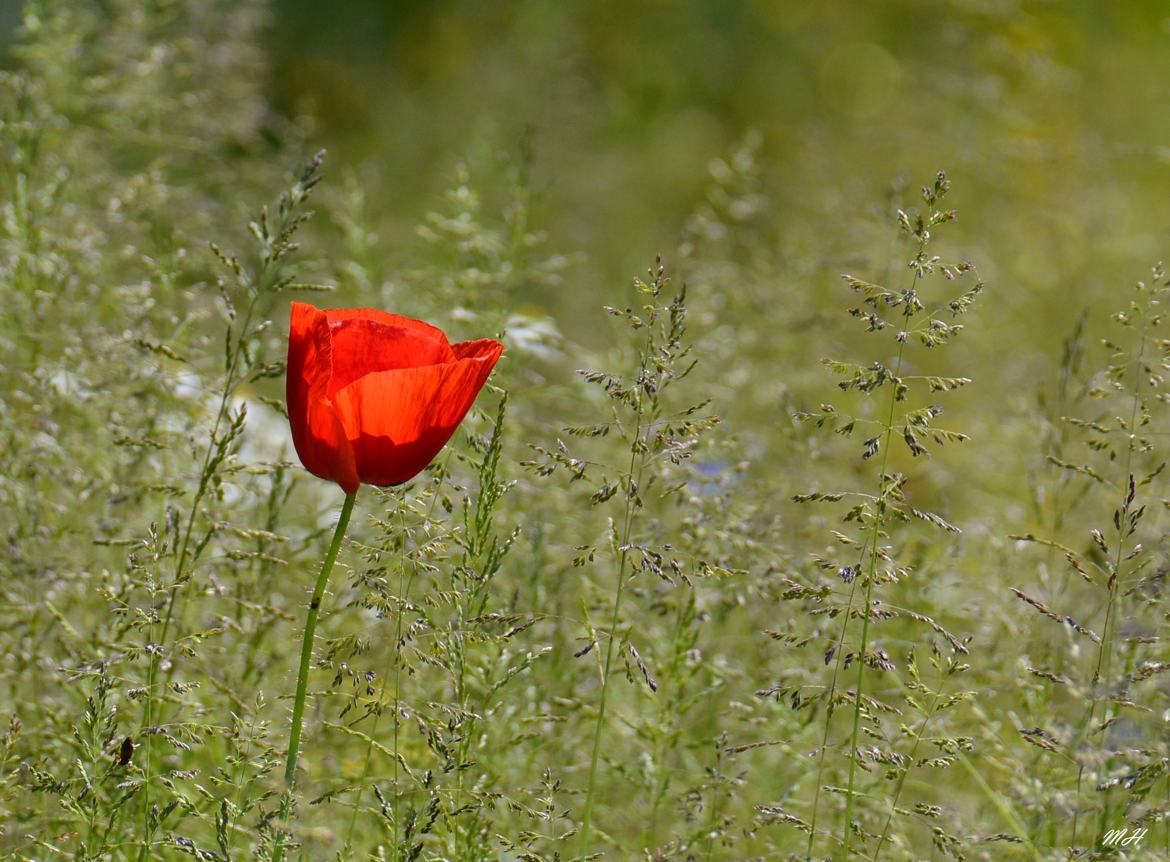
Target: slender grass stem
<point x="668" y="710"/>
<point x="840" y="650"/>
<point x="398" y="703"/>
<point x="871" y="574"/>
<point x="864" y="646"/>
<point x="294" y="736"/>
<point x="906" y="771"/>
<point x="1105" y="647"/>
<point x="393" y="662"/>
<point x="605" y="675"/>
<point x="178" y="580"/>
<point x="636" y="448"/>
<point x="147" y="721"/>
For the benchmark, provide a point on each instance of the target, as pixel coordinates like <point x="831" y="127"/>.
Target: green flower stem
<point x="294" y="736"/>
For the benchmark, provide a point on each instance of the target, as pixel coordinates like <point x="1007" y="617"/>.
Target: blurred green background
<point x="1052" y="118"/>
<point x="489" y="161"/>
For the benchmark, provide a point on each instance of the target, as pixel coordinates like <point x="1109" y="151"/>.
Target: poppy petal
<point x="398" y="420"/>
<point x="318" y="436"/>
<point x="363" y="345"/>
<point x="339" y="315"/>
<point x="483" y="348"/>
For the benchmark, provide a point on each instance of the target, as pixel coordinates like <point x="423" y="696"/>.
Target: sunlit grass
<point x="834" y="621"/>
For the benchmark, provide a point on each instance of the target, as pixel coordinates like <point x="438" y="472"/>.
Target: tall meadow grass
<point x="799" y="546"/>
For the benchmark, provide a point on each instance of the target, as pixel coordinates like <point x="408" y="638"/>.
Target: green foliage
<point x="869" y="557"/>
<point x="668" y="594"/>
<point x="1097" y="705"/>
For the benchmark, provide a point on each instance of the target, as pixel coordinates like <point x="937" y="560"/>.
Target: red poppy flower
<point x="373" y="397"/>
